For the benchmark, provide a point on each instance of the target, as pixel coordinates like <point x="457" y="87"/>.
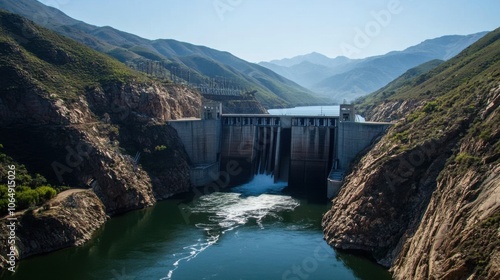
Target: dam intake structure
<point x="310" y="153"/>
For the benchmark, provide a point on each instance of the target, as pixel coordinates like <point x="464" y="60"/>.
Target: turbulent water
<point x="227" y="211"/>
<point x="253" y="231"/>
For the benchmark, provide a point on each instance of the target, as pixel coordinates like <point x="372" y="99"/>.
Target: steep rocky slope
<point x="65" y="223"/>
<point x="84" y="120"/>
<point x="425" y="200"/>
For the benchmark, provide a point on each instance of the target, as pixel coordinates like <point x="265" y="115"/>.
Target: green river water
<point x="254" y="231"/>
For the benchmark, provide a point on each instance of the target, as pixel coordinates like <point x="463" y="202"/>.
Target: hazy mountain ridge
<point x="170" y="56"/>
<point x="342" y="78"/>
<point x="424" y="199"/>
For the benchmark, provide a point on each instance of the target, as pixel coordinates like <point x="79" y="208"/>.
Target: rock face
<point x="69" y="222"/>
<point x="84" y="120"/>
<point x="425" y="200"/>
<point x="459" y="234"/>
<point x="87" y="151"/>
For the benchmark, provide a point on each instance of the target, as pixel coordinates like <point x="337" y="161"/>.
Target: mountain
<point x="182" y="62"/>
<point x="367" y="105"/>
<point x="314" y="58"/>
<point x="72" y="116"/>
<point x="342" y="78"/>
<point x="424" y="200"/>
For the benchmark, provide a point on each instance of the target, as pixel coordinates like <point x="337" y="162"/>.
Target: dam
<point x="310" y="153"/>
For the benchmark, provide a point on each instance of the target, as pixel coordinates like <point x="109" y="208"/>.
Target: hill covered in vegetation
<point x="71" y="116"/>
<point x="425" y="199"/>
<point x="170" y="59"/>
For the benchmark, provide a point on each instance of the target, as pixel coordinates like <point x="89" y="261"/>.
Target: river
<point x="253" y="231"/>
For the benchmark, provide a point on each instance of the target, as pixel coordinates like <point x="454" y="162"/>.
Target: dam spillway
<point x="303" y="151"/>
<point x="297" y="150"/>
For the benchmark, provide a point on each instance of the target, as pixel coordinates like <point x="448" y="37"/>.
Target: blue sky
<point x="259" y="30"/>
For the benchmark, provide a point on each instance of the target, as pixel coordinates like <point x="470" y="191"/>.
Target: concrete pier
<point x="201" y="139"/>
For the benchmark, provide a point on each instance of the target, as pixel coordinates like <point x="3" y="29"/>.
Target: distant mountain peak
<point x="341" y="77"/>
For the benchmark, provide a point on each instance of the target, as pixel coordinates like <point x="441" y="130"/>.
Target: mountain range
<point x="343" y="78"/>
<point x="179" y="61"/>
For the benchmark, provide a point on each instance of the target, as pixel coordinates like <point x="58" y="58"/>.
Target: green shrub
<point x="46" y="193"/>
<point x="27" y="198"/>
<point x="466" y="159"/>
<point x="39" y="180"/>
<point x="401" y="137"/>
<point x="160" y="148"/>
<point x="430" y="107"/>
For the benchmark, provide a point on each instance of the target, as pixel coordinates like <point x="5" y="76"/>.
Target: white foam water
<point x="227" y="211"/>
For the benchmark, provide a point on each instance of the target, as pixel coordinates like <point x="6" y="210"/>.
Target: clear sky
<point x="262" y="30"/>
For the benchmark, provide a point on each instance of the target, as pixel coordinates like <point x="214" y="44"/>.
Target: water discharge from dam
<point x="227" y="211"/>
<point x="252" y="231"/>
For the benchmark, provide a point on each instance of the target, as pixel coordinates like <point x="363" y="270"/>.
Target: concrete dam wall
<point x="201" y="139"/>
<point x="301" y="150"/>
<point x="297" y="150"/>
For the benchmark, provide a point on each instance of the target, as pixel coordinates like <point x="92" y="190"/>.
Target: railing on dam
<point x="279" y="121"/>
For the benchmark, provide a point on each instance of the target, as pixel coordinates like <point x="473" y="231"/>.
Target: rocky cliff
<point x="68" y="221"/>
<point x="425" y="200"/>
<point x="84" y="120"/>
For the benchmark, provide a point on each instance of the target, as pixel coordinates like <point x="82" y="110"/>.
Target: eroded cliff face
<point x="84" y="120"/>
<point x="69" y="221"/>
<point x="426" y="212"/>
<point x="91" y="143"/>
<point x="425" y="200"/>
<point x="459" y="234"/>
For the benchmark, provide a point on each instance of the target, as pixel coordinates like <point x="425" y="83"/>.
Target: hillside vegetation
<point x="169" y="59"/>
<point x="61" y="68"/>
<point x="424" y="200"/>
<point x="71" y="116"/>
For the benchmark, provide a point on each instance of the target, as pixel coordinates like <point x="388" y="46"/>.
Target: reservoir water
<point x="332" y="110"/>
<point x="253" y="231"/>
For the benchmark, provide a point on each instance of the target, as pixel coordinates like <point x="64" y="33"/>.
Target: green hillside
<point x="451" y="92"/>
<point x="406" y="81"/>
<point x="427" y="193"/>
<point x="60" y="67"/>
<point x="171" y="59"/>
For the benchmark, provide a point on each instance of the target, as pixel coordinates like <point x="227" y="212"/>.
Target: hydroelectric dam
<point x="310" y="153"/>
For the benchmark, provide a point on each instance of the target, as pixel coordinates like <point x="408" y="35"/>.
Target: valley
<point x="161" y="159"/>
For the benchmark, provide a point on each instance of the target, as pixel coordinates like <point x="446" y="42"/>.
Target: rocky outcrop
<point x="83" y="120"/>
<point x="69" y="221"/>
<point x="93" y="142"/>
<point x="426" y="215"/>
<point x="459" y="234"/>
<point x="391" y="110"/>
<point x="76" y="144"/>
<point x="425" y="200"/>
